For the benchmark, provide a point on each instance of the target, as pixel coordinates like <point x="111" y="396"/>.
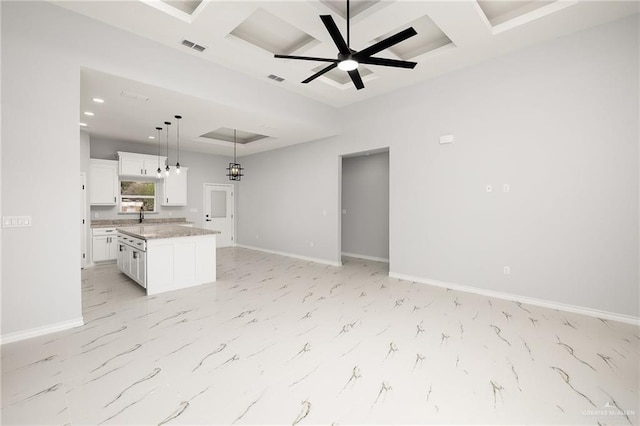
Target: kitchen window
<point x="135" y="195"/>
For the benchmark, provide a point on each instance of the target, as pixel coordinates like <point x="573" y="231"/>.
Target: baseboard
<point x="41" y="331"/>
<point x="628" y="319"/>
<point x="295" y="256"/>
<point x="365" y="257"/>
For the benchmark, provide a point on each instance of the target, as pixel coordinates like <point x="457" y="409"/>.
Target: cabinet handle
<point x="114" y="199"/>
<point x="135" y="254"/>
<point x="121" y="247"/>
<point x="167" y="200"/>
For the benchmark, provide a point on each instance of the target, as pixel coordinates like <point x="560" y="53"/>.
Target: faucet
<point x="141" y="218"/>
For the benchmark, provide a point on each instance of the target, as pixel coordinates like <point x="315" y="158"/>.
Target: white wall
<point x="558" y="122"/>
<point x="43" y="49"/>
<point x="203" y="168"/>
<point x="365" y="205"/>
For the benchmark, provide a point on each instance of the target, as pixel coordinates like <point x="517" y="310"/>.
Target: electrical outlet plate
<point x="489" y="188"/>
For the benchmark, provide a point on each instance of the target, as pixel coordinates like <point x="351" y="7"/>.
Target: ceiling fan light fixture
<point x="348" y="65"/>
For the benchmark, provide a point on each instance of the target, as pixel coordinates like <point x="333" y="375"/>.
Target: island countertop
<point x="150" y="232"/>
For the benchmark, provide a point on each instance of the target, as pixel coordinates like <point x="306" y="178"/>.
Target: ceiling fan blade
<point x="319" y="73"/>
<point x="334" y="32"/>
<point x="384" y="44"/>
<point x="355" y="77"/>
<point x="388" y="62"/>
<point x="306" y="58"/>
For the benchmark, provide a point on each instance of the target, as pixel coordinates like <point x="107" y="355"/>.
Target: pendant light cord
<point x="234" y="147"/>
<point x="178" y="117"/>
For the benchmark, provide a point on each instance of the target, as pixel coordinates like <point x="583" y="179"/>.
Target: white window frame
<point x="154" y="197"/>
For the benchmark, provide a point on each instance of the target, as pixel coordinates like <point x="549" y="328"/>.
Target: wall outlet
<point x="489" y="188"/>
<point x="324" y="212"/>
<point x="505" y="187"/>
<point x="344" y="211"/>
<point x="506" y="270"/>
<point x="311" y="244"/>
<point x="257" y="236"/>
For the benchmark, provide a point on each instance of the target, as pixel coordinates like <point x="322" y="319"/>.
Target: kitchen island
<point x="162" y="258"/>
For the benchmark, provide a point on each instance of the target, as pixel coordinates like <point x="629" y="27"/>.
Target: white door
<point x="219" y="212"/>
<point x="83" y="221"/>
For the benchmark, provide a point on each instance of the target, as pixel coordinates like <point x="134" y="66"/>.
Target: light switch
<point x="344" y="211"/>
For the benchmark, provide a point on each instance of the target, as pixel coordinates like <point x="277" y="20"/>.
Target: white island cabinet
<point x="165" y="258"/>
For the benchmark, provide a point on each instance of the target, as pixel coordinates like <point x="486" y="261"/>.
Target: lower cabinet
<point x="133" y="262"/>
<point x="104" y="244"/>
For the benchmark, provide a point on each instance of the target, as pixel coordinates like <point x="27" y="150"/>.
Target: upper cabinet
<point x="175" y="188"/>
<point x="103" y="182"/>
<point x="139" y="165"/>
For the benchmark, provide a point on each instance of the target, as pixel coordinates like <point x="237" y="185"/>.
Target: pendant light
<point x="178" y="117"/>
<point x="159" y="171"/>
<point x="234" y="170"/>
<point x="167" y="169"/>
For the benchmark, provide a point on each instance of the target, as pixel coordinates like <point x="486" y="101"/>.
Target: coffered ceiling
<point x="244" y="36"/>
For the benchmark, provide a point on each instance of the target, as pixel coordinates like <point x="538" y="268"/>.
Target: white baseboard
<point x="522" y="299"/>
<point x="295" y="256"/>
<point x="41" y="331"/>
<point x="365" y="257"/>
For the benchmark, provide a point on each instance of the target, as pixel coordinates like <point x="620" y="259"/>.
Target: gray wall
<point x="365" y="198"/>
<point x="203" y="168"/>
<point x="558" y="122"/>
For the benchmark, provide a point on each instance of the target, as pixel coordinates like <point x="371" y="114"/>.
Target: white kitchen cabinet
<point x="103" y="182"/>
<point x="175" y="188"/>
<point x="104" y="244"/>
<point x="139" y="165"/>
<point x="132" y="258"/>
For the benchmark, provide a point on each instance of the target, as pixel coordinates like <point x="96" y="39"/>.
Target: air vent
<point x="192" y="45"/>
<point x="275" y="77"/>
<point x="133" y="95"/>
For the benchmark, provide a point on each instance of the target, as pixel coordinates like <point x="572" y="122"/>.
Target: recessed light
<point x="83" y="124"/>
<point x="89" y="113"/>
<point x="98" y="100"/>
<point x="151" y="137"/>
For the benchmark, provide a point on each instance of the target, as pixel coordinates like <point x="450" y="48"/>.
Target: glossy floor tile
<point x="283" y="341"/>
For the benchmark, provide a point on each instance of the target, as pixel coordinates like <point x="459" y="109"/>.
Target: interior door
<point x="219" y="212"/>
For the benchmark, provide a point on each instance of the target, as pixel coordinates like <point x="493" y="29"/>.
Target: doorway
<point x="365" y="205"/>
<point x="219" y="212"/>
<point x="83" y="221"/>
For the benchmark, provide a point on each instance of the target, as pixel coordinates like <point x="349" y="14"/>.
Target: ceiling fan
<point x="348" y="59"/>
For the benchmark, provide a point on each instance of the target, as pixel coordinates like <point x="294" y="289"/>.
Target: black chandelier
<point x="234" y="171"/>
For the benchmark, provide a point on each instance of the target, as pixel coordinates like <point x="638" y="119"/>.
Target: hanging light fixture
<point x="178" y="117"/>
<point x="159" y="171"/>
<point x="167" y="169"/>
<point x="234" y="170"/>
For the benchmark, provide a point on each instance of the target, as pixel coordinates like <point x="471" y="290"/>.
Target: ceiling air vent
<point x="275" y="77"/>
<point x="133" y="95"/>
<point x="192" y="45"/>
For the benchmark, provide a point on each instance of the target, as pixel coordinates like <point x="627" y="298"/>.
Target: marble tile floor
<point x="283" y="341"/>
